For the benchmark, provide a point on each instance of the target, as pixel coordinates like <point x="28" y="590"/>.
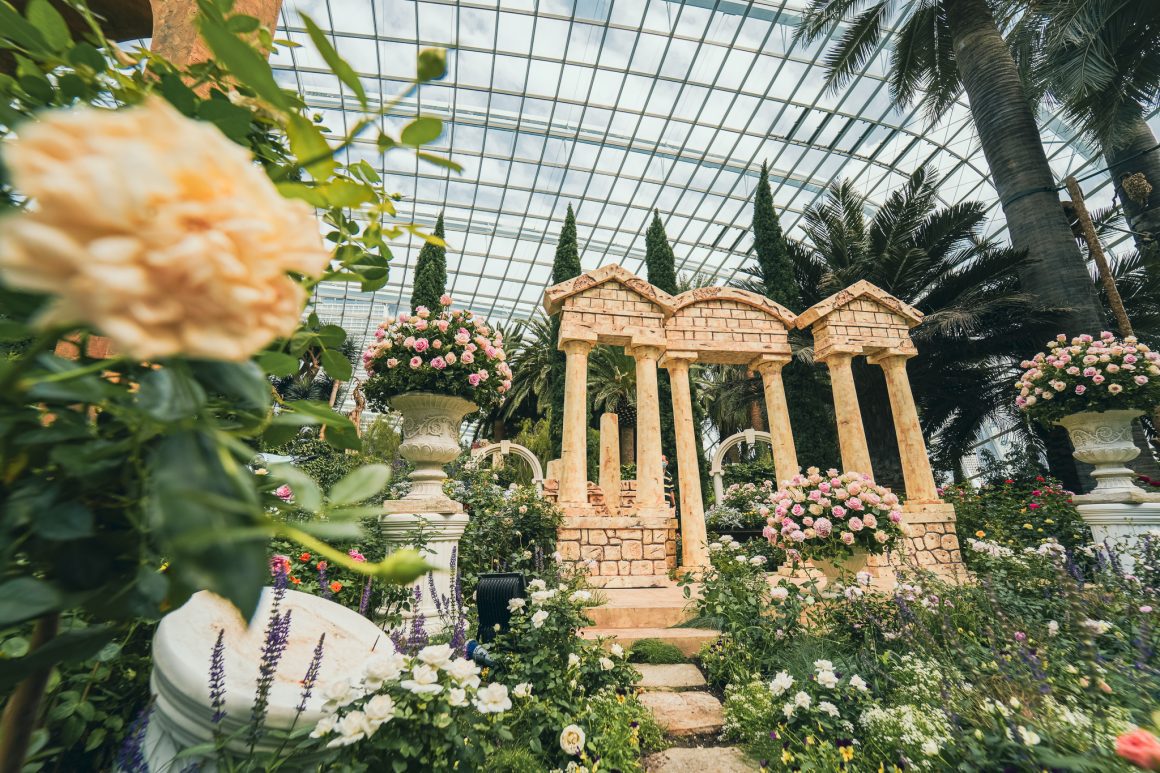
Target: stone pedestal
<point x="441" y="533"/>
<point x="1120" y="526"/>
<point x="620" y="551"/>
<point x="182" y="650"/>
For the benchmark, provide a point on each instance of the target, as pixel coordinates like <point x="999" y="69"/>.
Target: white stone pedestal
<point x="1119" y="526"/>
<point x="182" y="651"/>
<point x="441" y="533"/>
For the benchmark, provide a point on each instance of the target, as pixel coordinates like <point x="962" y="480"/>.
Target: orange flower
<point x="295" y="580"/>
<point x="304" y="557"/>
<point x="1141" y="748"/>
<point x="335" y="586"/>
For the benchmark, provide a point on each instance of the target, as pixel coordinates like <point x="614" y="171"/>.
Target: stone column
<point x="851" y="434"/>
<point x="574" y="443"/>
<point x="650" y="486"/>
<point x="916" y="472"/>
<point x="694" y="550"/>
<point x="610" y="460"/>
<point x="780" y="431"/>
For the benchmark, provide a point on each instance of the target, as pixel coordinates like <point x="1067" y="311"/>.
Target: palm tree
<point x="531" y="352"/>
<point x="945" y="46"/>
<point x="1101" y="62"/>
<point x="612" y="387"/>
<point x="978" y="322"/>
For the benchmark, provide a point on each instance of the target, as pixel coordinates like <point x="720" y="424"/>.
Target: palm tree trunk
<point x="756" y="419"/>
<point x="1136" y="153"/>
<point x="1011" y="142"/>
<point x="627" y="444"/>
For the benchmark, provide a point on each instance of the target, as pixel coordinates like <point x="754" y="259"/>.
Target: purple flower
<point x="365" y="602"/>
<point x="131" y="756"/>
<point x="312" y="670"/>
<point x="217" y="679"/>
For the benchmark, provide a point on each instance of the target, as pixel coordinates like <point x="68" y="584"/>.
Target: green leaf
<point x="234" y="121"/>
<point x="404" y="566"/>
<point x="170" y="394"/>
<point x="25" y="598"/>
<point x="344" y="436"/>
<point x="331" y="335"/>
<point x="179" y="95"/>
<point x="310" y="147"/>
<point x="431" y="64"/>
<point x="278" y="363"/>
<point x="14" y="27"/>
<point x="306" y="492"/>
<point x="360" y="485"/>
<point x="50" y="23"/>
<point x="242" y="59"/>
<point x="64" y="521"/>
<point x="337" y="366"/>
<point x="421" y="131"/>
<point x="311" y="194"/>
<point x="348" y="193"/>
<point x="446" y="163"/>
<point x="242" y="25"/>
<point x="68" y="647"/>
<point x="337" y="64"/>
<point x="334" y="530"/>
<point x="323" y="412"/>
<point x="86" y="55"/>
<point x="243" y="381"/>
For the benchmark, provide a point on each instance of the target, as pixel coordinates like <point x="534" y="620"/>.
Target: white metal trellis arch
<point x="505" y="447"/>
<point x="750" y="436"/>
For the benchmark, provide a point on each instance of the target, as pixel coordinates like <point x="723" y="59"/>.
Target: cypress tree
<point x="774" y="265"/>
<point x="661" y="265"/>
<point x="430" y="274"/>
<point x="565" y="266"/>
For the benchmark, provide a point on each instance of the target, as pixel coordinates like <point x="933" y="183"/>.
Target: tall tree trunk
<point x="627" y="444"/>
<point x="1136" y="152"/>
<point x="756" y="418"/>
<point x="1057" y="272"/>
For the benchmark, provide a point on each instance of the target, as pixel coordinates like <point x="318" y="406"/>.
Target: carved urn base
<point x="1103" y="439"/>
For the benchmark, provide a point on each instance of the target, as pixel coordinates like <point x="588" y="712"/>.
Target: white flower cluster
<point x="826" y="677"/>
<point x="389" y="678"/>
<point x="922" y="731"/>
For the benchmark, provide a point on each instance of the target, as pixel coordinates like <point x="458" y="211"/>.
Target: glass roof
<point x="619" y="107"/>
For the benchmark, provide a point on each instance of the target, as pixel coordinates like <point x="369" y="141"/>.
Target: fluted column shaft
<point x="851" y="434"/>
<point x="916" y="472"/>
<point x="650" y="486"/>
<point x="694" y="548"/>
<point x="780" y="431"/>
<point x="574" y="442"/>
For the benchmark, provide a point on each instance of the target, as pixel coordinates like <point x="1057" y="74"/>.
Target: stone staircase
<point x="631" y="614"/>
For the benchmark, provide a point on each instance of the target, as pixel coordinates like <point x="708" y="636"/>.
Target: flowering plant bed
<point x="449" y="353"/>
<point x="1089" y="375"/>
<point x="829" y="516"/>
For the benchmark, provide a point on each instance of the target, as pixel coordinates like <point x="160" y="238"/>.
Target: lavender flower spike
<point x="312" y="670"/>
<point x="217" y="680"/>
<point x="365" y="602"/>
<point x="131" y="756"/>
<point x="277" y="636"/>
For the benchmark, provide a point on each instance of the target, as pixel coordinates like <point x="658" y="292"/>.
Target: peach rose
<point x="1140" y="748"/>
<point x="157" y="231"/>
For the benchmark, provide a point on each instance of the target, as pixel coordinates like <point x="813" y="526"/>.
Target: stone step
<point x="699" y="759"/>
<point x="685" y="713"/>
<point x="687" y="640"/>
<point x="641" y="608"/>
<point x="677" y="676"/>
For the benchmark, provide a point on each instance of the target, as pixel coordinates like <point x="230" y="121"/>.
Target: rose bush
<point x="449" y="353"/>
<point x="1089" y="373"/>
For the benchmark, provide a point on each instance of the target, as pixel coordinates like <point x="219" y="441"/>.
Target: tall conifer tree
<point x="565" y="266"/>
<point x="430" y="274"/>
<point x="773" y="262"/>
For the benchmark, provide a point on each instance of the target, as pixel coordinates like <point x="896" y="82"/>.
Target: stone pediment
<point x="760" y="302"/>
<point x="556" y="295"/>
<point x="863" y="291"/>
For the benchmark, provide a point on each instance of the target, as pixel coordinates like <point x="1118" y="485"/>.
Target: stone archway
<point x="717" y="470"/>
<point x="505" y="447"/>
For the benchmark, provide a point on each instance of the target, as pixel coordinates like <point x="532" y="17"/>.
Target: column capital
<point x="676" y="360"/>
<point x="888" y="356"/>
<point x="576" y="345"/>
<point x="769" y="362"/>
<point x="836" y="356"/>
<point x="645" y="350"/>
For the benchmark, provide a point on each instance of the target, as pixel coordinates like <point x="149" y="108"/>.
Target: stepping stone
<point x="678" y="676"/>
<point x="685" y="713"/>
<point x="687" y="640"/>
<point x="713" y="759"/>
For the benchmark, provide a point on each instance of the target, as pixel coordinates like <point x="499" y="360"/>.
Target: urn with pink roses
<point x="834" y="519"/>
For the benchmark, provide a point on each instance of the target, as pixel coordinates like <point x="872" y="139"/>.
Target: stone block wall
<point x="611" y="306"/>
<point x="620" y="551"/>
<point x="722" y="322"/>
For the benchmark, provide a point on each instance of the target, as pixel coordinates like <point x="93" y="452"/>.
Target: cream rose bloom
<point x="156" y="230"/>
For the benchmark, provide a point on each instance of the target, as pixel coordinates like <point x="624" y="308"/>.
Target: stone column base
<point x="442" y="531"/>
<point x="620" y="551"/>
<point x="1120" y="526"/>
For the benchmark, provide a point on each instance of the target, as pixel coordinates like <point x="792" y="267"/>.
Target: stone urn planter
<point x="1103" y="439"/>
<point x="431" y="424"/>
<point x="833" y="568"/>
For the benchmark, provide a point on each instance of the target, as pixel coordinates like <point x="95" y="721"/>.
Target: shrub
<point x="655" y="652"/>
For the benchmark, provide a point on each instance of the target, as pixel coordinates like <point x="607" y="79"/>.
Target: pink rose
<point x="839" y="511"/>
<point x="473" y="379"/>
<point x="823" y="527"/>
<point x="403" y="316"/>
<point x="444" y="300"/>
<point x="284" y="492"/>
<point x="392" y="362"/>
<point x="380" y="333"/>
<point x="467" y="358"/>
<point x="409" y="342"/>
<point x="443" y="324"/>
<point x="895" y="516"/>
<point x="462" y="338"/>
<point x="438" y="363"/>
<point x="1141" y="748"/>
<point x="506" y="385"/>
<point x="422" y="344"/>
<point x="1141" y="380"/>
<point x="870" y="521"/>
<point x="847" y="538"/>
<point x="854" y="524"/>
<point x="797" y="535"/>
<point x="416" y="362"/>
<point x="483" y="374"/>
<point x="797" y="510"/>
<point x="450" y="358"/>
<point x="421" y="325"/>
<point x="423" y="312"/>
<point x="854" y="503"/>
<point x="436" y="344"/>
<point x="357" y="556"/>
<point x="1080" y="389"/>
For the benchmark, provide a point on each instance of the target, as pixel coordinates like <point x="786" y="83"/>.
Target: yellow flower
<point x="157" y="231"/>
<point x="786" y="757"/>
<point x="980" y="534"/>
<point x="846" y="753"/>
<point x="809" y="740"/>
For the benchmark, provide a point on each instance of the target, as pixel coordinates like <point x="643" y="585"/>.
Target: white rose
<point x="823" y="665"/>
<point x="338" y="692"/>
<point x="379" y="710"/>
<point x="606" y="664"/>
<point x="828" y="708"/>
<point x="537" y="584"/>
<point x="325" y="725"/>
<point x="780" y="683"/>
<point x="493" y="699"/>
<point x="457" y="696"/>
<point x="436" y="655"/>
<point x="828" y="679"/>
<point x="572" y="740"/>
<point x="514" y="604"/>
<point x="779" y="593"/>
<point x="580" y="597"/>
<point x="383" y="668"/>
<point x="424" y="680"/>
<point x="463" y="672"/>
<point x="930" y="748"/>
<point x="802" y="699"/>
<point x="522" y="690"/>
<point x="617" y="650"/>
<point x="539" y="618"/>
<point x="573" y="660"/>
<point x="858" y="683"/>
<point x="351" y="728"/>
<point x="540" y="596"/>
